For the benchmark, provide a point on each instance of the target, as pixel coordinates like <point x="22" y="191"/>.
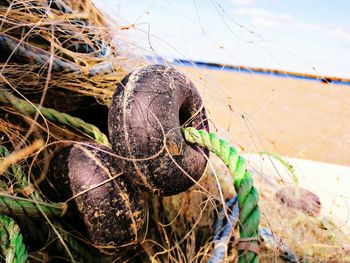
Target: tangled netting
<point x="58" y="59"/>
<point x="59" y="49"/>
<point x="60" y="63"/>
<point x="13" y="247"/>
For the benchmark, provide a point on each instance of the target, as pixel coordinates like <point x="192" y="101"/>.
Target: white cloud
<point x="242" y="2"/>
<point x="266" y="19"/>
<point x="341" y="32"/>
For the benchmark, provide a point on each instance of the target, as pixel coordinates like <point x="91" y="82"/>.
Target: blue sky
<point x="298" y="35"/>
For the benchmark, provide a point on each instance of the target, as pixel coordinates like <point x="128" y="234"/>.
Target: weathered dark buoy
<point x="148" y="108"/>
<point x="112" y="214"/>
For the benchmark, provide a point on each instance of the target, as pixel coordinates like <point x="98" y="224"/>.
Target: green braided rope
<point x="3" y="154"/>
<point x="243" y="182"/>
<point x="17" y="206"/>
<point x="15" y="172"/>
<point x="11" y="241"/>
<point x="34" y="207"/>
<point x="62" y="118"/>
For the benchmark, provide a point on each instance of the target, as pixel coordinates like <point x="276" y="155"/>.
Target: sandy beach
<point x="292" y="117"/>
<point x="307" y="122"/>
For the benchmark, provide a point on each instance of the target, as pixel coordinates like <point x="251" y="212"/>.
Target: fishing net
<point x="61" y="61"/>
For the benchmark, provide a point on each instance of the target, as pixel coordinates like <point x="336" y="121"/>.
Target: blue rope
<point x="223" y="230"/>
